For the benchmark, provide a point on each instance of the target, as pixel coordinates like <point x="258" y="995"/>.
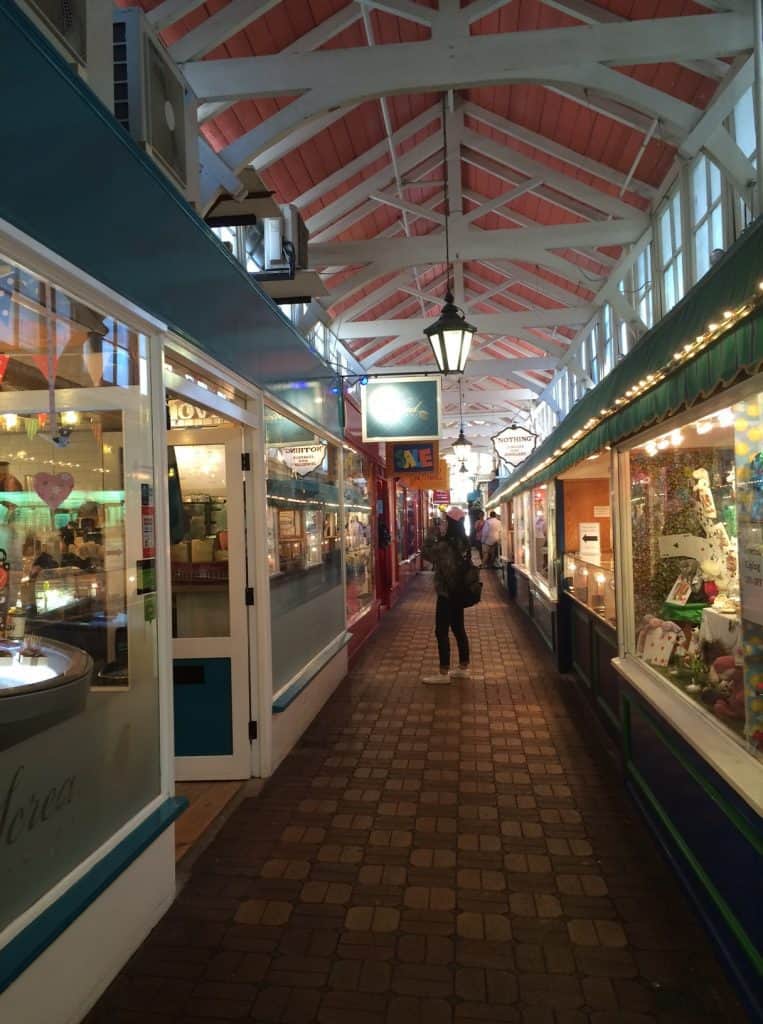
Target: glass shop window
<point x="358" y="534"/>
<point x="743" y="130"/>
<point x="304" y="544"/>
<point x="542" y="531"/>
<point x="608" y="352"/>
<point x="521" y="531"/>
<point x="592" y="345"/>
<point x="79" y="712"/>
<point x="697" y="544"/>
<point x="671" y="252"/>
<point x="706" y="213"/>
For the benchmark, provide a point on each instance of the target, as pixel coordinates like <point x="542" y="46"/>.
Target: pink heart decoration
<point x="53" y="488"/>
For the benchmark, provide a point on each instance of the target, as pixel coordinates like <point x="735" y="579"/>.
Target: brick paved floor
<point x="431" y="855"/>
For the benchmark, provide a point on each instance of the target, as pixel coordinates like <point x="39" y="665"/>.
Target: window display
<point x="358" y="534"/>
<point x="521" y="531"/>
<point x="697" y="546"/>
<point x="306" y="593"/>
<point x="592" y="583"/>
<point x="542" y="528"/>
<point x="407" y="523"/>
<point x="79" y="712"/>
<point x="588" y="563"/>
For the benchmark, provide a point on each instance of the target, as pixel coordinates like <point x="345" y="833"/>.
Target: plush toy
<point x="704" y="494"/>
<point x="728" y="691"/>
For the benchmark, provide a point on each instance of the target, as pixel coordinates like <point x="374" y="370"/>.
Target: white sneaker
<point x="438" y="680"/>
<point x="460" y="673"/>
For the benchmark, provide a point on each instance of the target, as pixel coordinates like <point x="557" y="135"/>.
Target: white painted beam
<point x="357" y="165"/>
<point x="593" y="198"/>
<point x="218" y="28"/>
<point x="618" y="111"/>
<point x="481" y="9"/>
<point x="298" y="137"/>
<point x="486" y="323"/>
<point x="728" y="93"/>
<point x="503" y="199"/>
<point x="359" y="73"/>
<point x="352" y="198"/>
<point x="556" y="149"/>
<point x="409" y="10"/>
<point x="403" y="204"/>
<point x="520" y="244"/>
<point x="592" y="14"/>
<point x="167" y="13"/>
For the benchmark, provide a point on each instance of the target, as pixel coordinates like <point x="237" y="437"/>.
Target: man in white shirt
<point x="491" y="539"/>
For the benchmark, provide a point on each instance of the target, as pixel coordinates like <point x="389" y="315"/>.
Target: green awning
<point x="730" y="284"/>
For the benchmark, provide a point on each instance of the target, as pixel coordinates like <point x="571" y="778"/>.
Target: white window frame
<point x="710" y="218"/>
<point x="674" y="267"/>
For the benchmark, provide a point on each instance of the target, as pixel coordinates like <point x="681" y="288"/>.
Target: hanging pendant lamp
<point x="461" y="446"/>
<point x="450" y="335"/>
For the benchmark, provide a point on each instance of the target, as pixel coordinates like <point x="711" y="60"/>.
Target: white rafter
<point x="556" y="149"/>
<point x="592" y="14"/>
<point x="527" y="244"/>
<point x="214" y="31"/>
<point x="167" y="13"/>
<point x="335" y="78"/>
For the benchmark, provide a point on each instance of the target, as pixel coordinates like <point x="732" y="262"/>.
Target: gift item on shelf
<point x="592" y="583"/>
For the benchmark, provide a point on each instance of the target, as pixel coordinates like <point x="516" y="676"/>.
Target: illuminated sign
<point x="401" y="409"/>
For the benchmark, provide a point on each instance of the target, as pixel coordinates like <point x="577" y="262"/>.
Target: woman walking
<point x="447" y="548"/>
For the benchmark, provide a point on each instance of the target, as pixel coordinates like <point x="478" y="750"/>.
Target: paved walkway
<point x="432" y="855"/>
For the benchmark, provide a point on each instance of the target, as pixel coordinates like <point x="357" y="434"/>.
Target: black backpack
<point x="470" y="590"/>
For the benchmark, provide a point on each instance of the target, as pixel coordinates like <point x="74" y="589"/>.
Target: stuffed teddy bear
<point x="726" y="697"/>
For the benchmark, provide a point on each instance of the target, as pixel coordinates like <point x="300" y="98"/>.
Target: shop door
<point x="211" y="634"/>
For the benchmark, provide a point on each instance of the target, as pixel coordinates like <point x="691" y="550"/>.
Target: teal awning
<point x="74" y="180"/>
<point x="730" y="284"/>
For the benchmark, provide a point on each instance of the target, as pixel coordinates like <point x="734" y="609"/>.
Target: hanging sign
<point x="303" y="458"/>
<point x="514" y="444"/>
<point x="414" y="458"/>
<point x="589" y="536"/>
<point x="441" y="497"/>
<point x="401" y="409"/>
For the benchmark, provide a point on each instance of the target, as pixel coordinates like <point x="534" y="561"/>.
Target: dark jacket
<point x="447" y="557"/>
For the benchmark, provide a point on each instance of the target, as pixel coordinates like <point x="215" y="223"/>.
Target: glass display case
<point x="696" y="525"/>
<point x="42" y="683"/>
<point x="592" y="582"/>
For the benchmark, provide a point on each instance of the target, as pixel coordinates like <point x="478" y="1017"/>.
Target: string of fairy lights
<point x="715" y="329"/>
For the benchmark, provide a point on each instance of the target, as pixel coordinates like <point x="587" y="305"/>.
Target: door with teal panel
<point x="210" y="620"/>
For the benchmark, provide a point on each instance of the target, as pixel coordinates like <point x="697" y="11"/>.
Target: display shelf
<point x="34" y="697"/>
<point x="591" y="581"/>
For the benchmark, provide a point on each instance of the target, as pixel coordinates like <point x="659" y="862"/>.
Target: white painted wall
<point x="65" y="981"/>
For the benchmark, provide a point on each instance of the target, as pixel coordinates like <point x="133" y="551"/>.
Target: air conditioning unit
<point x="81" y="32"/>
<point x="295" y="233"/>
<point x="153" y="102"/>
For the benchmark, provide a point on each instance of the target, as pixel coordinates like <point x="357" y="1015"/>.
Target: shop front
<point x="532" y="575"/>
<point x="136" y="481"/>
<point x="85" y="727"/>
<point x="657" y="475"/>
<point x="364" y="528"/>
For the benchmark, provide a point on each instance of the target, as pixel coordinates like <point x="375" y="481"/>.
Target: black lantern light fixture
<point x="461" y="446"/>
<point x="450" y="335"/>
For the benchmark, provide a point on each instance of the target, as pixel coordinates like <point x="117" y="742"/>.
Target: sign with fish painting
<point x="401" y="409"/>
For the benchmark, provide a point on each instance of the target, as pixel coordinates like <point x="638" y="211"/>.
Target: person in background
<point x="491" y="541"/>
<point x="447" y="547"/>
<point x="475" y="534"/>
